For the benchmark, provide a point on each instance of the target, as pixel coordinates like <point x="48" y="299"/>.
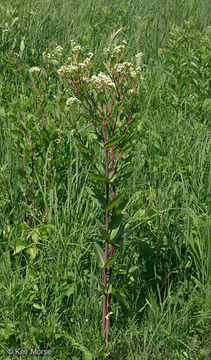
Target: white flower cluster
<point x="72" y="100"/>
<point x="131" y="92"/>
<point x="59" y="50"/>
<point x="139" y="55"/>
<point x="126" y="67"/>
<point x="76" y="49"/>
<point x="133" y="73"/>
<point x="119" y="48"/>
<point x="123" y="67"/>
<point x="138" y="58"/>
<point x="52" y="56"/>
<point x="46" y="55"/>
<point x="34" y="69"/>
<point x="82" y="65"/>
<point x="67" y="69"/>
<point x="88" y="60"/>
<point x="100" y="81"/>
<point x="71" y="67"/>
<point x="139" y="73"/>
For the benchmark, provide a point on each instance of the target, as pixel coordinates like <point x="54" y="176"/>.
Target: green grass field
<point x="50" y="297"/>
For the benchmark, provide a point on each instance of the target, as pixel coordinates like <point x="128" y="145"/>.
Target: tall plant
<point x="101" y="109"/>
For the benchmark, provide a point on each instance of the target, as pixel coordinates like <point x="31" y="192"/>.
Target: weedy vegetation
<point x="105" y="180"/>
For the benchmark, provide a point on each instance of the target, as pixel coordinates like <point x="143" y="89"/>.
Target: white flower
<point x="83" y="65"/>
<point x="138" y="58"/>
<point x="139" y="73"/>
<point x="122" y="67"/>
<point x="87" y="61"/>
<point x="67" y="69"/>
<point x="34" y="69"/>
<point x="54" y="61"/>
<point x="72" y="100"/>
<point x="101" y="80"/>
<point x="46" y="55"/>
<point x="139" y="55"/>
<point x="133" y="74"/>
<point x="76" y="49"/>
<point x="118" y="49"/>
<point x="131" y="92"/>
<point x="62" y="70"/>
<point x="59" y="49"/>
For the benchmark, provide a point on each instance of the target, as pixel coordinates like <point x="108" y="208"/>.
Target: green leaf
<point x="33" y="252"/>
<point x="85" y="128"/>
<point x="13" y="68"/>
<point x="62" y="104"/>
<point x="100" y="96"/>
<point x="113" y="62"/>
<point x="82" y="148"/>
<point x="18" y="249"/>
<point x="91" y="118"/>
<point x="121" y="207"/>
<point x="119" y="296"/>
<point x="22" y="46"/>
<point x="100" y="254"/>
<point x="21" y="172"/>
<point x="35" y="235"/>
<point x="87" y="355"/>
<point x="113" y="141"/>
<point x="116" y="234"/>
<point x="133" y="268"/>
<point x="102" y="230"/>
<point x="118" y="106"/>
<point x="113" y="202"/>
<point x="69" y="291"/>
<point x="111" y="261"/>
<point x="127" y="175"/>
<point x="98" y="198"/>
<point x="17" y="133"/>
<point x="127" y="148"/>
<point x="99" y="177"/>
<point x="115" y="221"/>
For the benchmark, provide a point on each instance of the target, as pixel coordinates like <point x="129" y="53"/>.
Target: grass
<point x="49" y="276"/>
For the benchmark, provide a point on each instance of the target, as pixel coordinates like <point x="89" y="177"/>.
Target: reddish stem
<point x="112" y="246"/>
<point x="107" y="229"/>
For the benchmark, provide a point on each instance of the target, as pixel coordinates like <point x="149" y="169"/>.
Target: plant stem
<point x="33" y="200"/>
<point x="26" y="199"/>
<point x="107" y="229"/>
